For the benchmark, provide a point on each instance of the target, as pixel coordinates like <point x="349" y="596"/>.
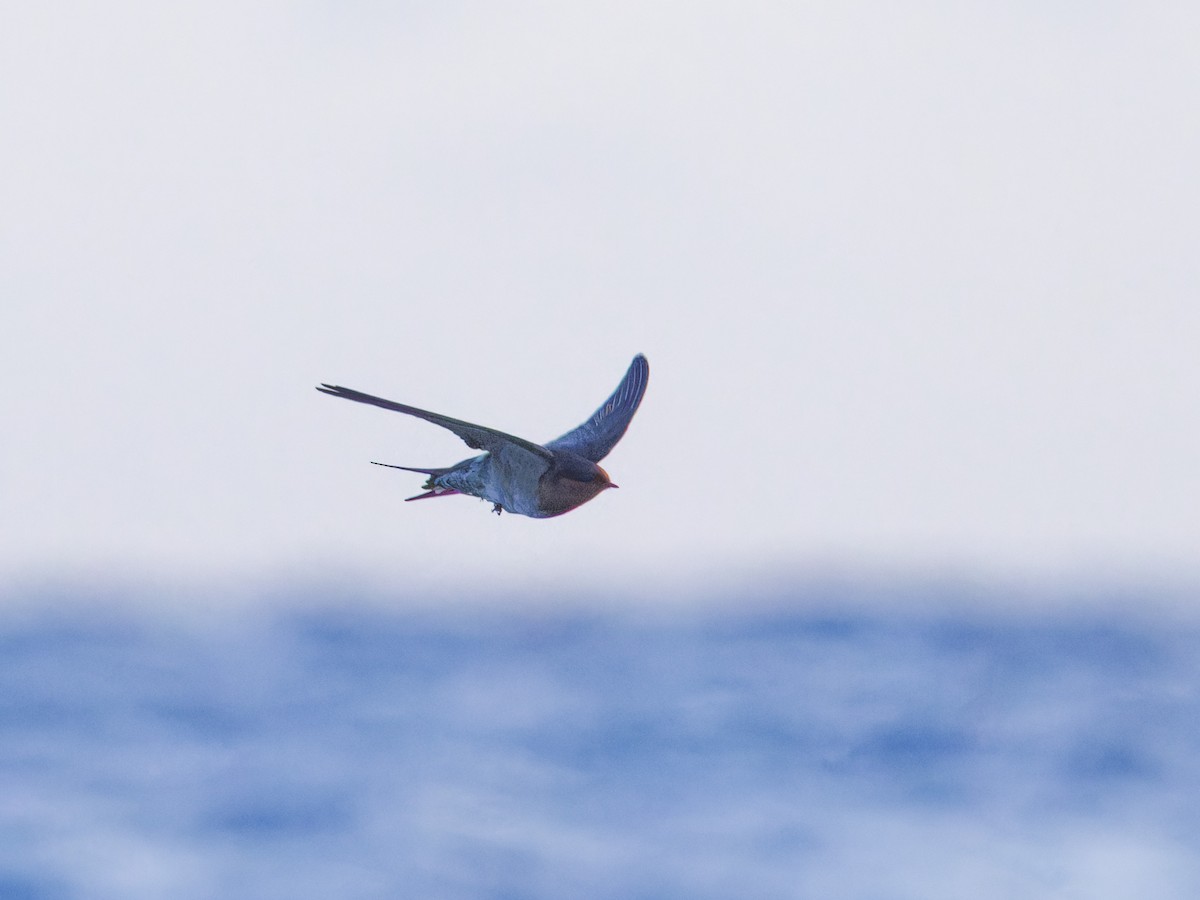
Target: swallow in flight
<point x="519" y="476"/>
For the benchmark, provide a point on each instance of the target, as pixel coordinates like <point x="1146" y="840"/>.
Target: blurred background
<point x="898" y="598"/>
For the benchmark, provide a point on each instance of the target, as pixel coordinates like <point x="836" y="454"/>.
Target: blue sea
<point x="799" y="747"/>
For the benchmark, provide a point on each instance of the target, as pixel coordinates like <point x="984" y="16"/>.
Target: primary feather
<point x="596" y="437"/>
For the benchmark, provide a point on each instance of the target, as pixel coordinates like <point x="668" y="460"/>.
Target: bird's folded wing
<point x="596" y="437"/>
<point x="477" y="437"/>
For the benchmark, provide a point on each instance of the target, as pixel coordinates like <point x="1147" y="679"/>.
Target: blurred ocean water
<point x="779" y="752"/>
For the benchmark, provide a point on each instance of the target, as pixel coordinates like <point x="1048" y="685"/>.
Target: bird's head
<point x="571" y="482"/>
<point x="603" y="478"/>
<point x="573" y="467"/>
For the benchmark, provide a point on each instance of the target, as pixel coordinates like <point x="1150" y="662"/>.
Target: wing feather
<point x="477" y="437"/>
<point x="596" y="437"/>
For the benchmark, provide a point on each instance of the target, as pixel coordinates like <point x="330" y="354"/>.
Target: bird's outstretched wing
<point x="596" y="437"/>
<point x="477" y="437"/>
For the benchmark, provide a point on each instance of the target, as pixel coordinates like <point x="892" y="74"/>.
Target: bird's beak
<point x="610" y="484"/>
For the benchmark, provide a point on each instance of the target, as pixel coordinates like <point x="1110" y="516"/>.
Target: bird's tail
<point x="428" y="494"/>
<point x="432" y="473"/>
<point x="432" y="489"/>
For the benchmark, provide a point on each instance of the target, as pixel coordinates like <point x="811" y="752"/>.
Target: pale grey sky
<point x="918" y="283"/>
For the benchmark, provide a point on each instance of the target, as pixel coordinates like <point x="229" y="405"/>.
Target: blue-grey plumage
<point x="519" y="476"/>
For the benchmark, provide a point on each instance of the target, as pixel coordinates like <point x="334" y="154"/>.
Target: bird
<point x="519" y="476"/>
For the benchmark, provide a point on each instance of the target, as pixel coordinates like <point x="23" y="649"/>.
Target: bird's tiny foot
<point x="497" y="508"/>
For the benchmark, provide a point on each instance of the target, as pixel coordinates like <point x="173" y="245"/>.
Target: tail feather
<point x="429" y="494"/>
<point x="432" y="473"/>
<point x="431" y="490"/>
